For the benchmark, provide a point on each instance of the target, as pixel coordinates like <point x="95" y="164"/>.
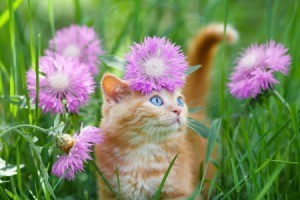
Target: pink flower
<point x="76" y="150"/>
<point x="78" y="42"/>
<point x="155" y="64"/>
<point x="254" y="70"/>
<point x="60" y="85"/>
<point x="276" y="57"/>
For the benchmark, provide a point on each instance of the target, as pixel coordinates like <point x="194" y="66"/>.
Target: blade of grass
<point x="198" y="127"/>
<point x="14" y="188"/>
<point x="113" y="61"/>
<point x="235" y="176"/>
<point x="13" y="80"/>
<point x="21" y="43"/>
<point x="270" y="181"/>
<point x="263" y="165"/>
<point x="234" y="148"/>
<point x="3" y="194"/>
<point x="222" y="86"/>
<point x="274" y="175"/>
<point x="103" y="177"/>
<point x="44" y="177"/>
<point x="19" y="178"/>
<point x="37" y="74"/>
<point x="162" y="183"/>
<point x="286" y="162"/>
<point x="77" y="11"/>
<point x="238" y="185"/>
<point x="119" y="187"/>
<point x="2" y="75"/>
<point x="10" y="194"/>
<point x="5" y="15"/>
<point x="33" y="57"/>
<point x="212" y="137"/>
<point x="297" y="134"/>
<point x="32" y="36"/>
<point x="51" y="17"/>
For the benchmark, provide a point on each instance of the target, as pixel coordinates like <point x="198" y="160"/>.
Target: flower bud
<point x="65" y="142"/>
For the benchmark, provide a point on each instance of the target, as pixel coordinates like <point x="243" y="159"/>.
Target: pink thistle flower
<point x="276" y="57"/>
<point x="77" y="149"/>
<point x="254" y="70"/>
<point x="78" y="42"/>
<point x="60" y="85"/>
<point x="155" y="64"/>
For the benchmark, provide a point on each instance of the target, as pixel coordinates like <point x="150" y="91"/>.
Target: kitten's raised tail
<point x="202" y="51"/>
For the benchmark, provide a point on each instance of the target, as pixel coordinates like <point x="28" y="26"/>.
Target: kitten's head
<point x="154" y="117"/>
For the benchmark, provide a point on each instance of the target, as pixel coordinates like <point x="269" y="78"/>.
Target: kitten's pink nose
<point x="177" y="111"/>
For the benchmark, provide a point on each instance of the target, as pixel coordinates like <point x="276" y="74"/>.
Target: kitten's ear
<point x="114" y="89"/>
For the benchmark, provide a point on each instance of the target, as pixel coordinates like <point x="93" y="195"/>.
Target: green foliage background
<point x="259" y="145"/>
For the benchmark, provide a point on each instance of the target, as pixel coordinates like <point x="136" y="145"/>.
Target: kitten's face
<point x="154" y="117"/>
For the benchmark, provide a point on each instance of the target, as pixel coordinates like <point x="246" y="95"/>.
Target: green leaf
<point x="119" y="185"/>
<point x="270" y="181"/>
<point x="113" y="61"/>
<point x="218" y="196"/>
<point x="198" y="127"/>
<point x="5" y="15"/>
<point x="162" y="183"/>
<point x="7" y="169"/>
<point x="19" y="178"/>
<point x="212" y="136"/>
<point x="240" y="184"/>
<point x="286" y="162"/>
<point x="235" y="175"/>
<point x="57" y="120"/>
<point x="37" y="150"/>
<point x="192" y="69"/>
<point x="3" y="194"/>
<point x="263" y="165"/>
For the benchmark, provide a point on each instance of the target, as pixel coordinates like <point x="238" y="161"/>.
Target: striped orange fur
<point x="140" y="139"/>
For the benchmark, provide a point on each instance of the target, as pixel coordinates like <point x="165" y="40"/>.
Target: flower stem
<point x="27" y="126"/>
<point x="282" y="100"/>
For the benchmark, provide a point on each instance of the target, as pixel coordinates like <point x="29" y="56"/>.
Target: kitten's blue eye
<point x="156" y="100"/>
<point x="180" y="101"/>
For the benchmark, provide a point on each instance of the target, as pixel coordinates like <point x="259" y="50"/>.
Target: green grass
<point x="259" y="144"/>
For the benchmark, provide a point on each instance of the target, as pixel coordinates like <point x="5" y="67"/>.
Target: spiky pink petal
<point x="155" y="64"/>
<point x="254" y="70"/>
<point x="68" y="164"/>
<point x="79" y="42"/>
<point x="59" y="82"/>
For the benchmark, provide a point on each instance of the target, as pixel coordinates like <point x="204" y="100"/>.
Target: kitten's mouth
<point x="171" y="124"/>
<point x="176" y="122"/>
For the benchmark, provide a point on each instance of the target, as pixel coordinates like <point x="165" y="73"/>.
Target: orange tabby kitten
<point x="143" y="133"/>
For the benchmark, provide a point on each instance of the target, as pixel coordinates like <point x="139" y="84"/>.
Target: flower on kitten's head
<point x="63" y="83"/>
<point x="155" y="64"/>
<point x="76" y="151"/>
<point x="254" y="70"/>
<point x="79" y="42"/>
